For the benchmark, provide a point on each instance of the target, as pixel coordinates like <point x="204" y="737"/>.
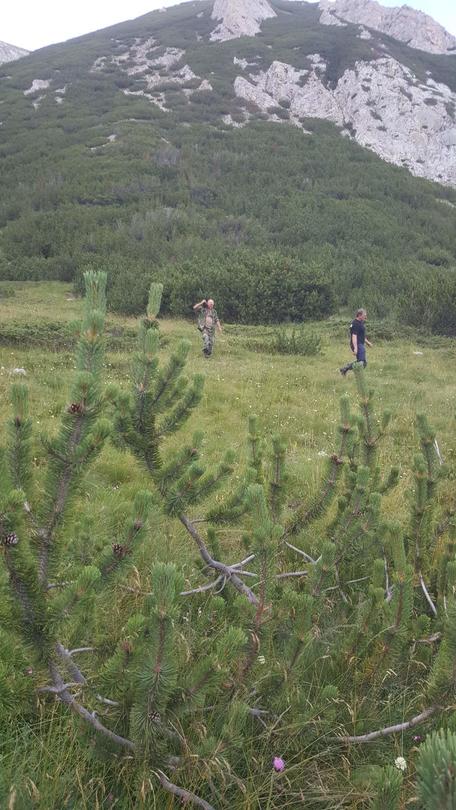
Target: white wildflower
<point x="400" y="764"/>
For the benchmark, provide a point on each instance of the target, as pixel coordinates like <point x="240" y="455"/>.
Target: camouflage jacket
<point x="207" y="319"/>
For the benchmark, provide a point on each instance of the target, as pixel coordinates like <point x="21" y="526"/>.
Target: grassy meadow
<point x="42" y="764"/>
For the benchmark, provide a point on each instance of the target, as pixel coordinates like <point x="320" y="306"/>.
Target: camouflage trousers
<point x="208" y="336"/>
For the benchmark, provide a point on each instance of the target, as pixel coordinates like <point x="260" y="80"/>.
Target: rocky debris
<point x="59" y="93"/>
<point x="140" y="63"/>
<point x="380" y="103"/>
<point x="230" y="122"/>
<point x="327" y="17"/>
<point x="37" y="84"/>
<point x="133" y="61"/>
<point x="404" y="23"/>
<point x="8" y="53"/>
<point x="111" y="139"/>
<point x="156" y="98"/>
<point x="239" y="18"/>
<point x="99" y="64"/>
<point x="37" y="101"/>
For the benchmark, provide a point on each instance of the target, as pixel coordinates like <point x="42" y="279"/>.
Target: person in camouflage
<point x="208" y="321"/>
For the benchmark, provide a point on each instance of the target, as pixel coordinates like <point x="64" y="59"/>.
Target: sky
<point x="33" y="24"/>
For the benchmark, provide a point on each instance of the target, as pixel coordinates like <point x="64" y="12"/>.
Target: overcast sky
<point x="32" y="24"/>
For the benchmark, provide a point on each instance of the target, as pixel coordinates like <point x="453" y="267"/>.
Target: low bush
<point x="59" y="336"/>
<point x="297" y="340"/>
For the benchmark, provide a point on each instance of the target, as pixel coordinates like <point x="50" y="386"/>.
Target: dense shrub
<point x="428" y="302"/>
<point x="252" y="288"/>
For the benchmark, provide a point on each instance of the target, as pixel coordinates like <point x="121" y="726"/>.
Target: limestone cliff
<point x="413" y="27"/>
<point x="238" y="18"/>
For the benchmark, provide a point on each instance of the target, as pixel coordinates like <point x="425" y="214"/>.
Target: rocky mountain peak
<point x="8" y="53"/>
<point x="239" y="18"/>
<point x="413" y="27"/>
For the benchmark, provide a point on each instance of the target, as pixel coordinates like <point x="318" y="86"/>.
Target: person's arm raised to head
<point x="198" y="306"/>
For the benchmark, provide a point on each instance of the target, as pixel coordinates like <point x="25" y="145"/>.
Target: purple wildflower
<point x="278" y="764"/>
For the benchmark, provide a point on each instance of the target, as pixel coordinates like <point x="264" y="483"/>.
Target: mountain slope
<point x="9" y="53"/>
<point x="149" y="144"/>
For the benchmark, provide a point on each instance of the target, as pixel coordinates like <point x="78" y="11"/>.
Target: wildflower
<point x="418" y="738"/>
<point x="278" y="764"/>
<point x="400" y="764"/>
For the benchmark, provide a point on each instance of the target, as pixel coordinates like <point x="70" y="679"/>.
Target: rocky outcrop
<point x="381" y="104"/>
<point x="404" y="23"/>
<point x="239" y="18"/>
<point x="150" y="72"/>
<point x="36" y="85"/>
<point x="8" y="53"/>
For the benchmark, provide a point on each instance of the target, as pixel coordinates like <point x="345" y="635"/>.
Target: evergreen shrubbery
<point x="331" y="626"/>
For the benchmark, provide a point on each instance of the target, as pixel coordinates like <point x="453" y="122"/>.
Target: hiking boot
<point x="343" y="371"/>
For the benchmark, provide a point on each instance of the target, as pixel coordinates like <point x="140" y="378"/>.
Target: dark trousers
<point x="360" y="358"/>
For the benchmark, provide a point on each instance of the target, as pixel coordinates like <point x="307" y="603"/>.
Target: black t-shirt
<point x="357" y="328"/>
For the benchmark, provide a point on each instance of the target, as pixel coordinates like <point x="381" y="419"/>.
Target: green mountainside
<point x="94" y="173"/>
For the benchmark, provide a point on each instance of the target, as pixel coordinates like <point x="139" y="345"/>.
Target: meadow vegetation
<point x="48" y="761"/>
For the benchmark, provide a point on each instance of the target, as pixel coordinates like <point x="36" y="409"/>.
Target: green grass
<point x="42" y="764"/>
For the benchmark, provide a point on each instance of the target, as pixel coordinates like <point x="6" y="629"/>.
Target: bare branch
<point x="66" y="697"/>
<point x="184" y="795"/>
<point x="258" y="712"/>
<point x="241" y="572"/>
<point x="385" y="732"/>
<point x="106" y="701"/>
<point x="53" y="585"/>
<point x="430" y="640"/>
<point x="73" y="670"/>
<point x="243" y="562"/>
<point x="78" y="650"/>
<point x="226" y="570"/>
<point x="292" y="574"/>
<point x="203" y="588"/>
<point x="56" y="690"/>
<point x="302" y="553"/>
<point x="427" y="595"/>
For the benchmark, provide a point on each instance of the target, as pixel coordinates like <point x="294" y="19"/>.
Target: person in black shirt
<point x="358" y="341"/>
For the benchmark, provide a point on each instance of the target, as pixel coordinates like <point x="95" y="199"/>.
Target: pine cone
<point x="118" y="550"/>
<point x="10" y="539"/>
<point x="75" y="407"/>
